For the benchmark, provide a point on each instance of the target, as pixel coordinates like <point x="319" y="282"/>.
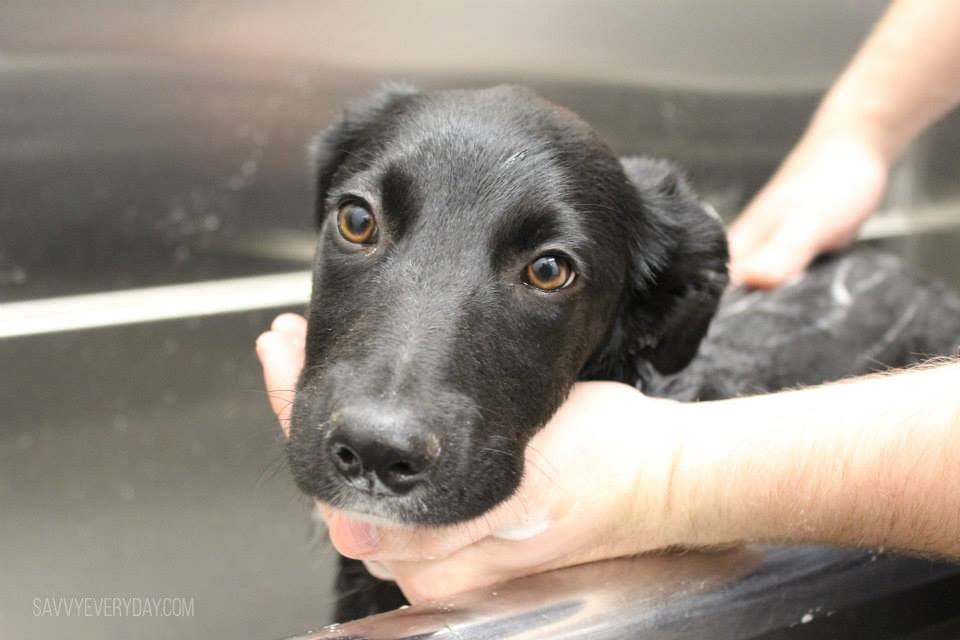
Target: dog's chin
<point x="417" y="509"/>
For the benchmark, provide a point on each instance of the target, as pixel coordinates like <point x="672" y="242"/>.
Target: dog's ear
<point x="332" y="147"/>
<point x="676" y="274"/>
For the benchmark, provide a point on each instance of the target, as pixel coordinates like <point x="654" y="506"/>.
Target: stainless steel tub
<point x="146" y="144"/>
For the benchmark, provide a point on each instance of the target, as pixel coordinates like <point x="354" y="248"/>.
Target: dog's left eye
<point x="550" y="273"/>
<point x="356" y="223"/>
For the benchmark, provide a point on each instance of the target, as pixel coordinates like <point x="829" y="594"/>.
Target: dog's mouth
<point x="533" y="525"/>
<point x="378" y="508"/>
<point x="360" y="516"/>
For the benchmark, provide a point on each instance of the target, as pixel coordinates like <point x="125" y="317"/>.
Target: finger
<point x="353" y="538"/>
<point x="379" y="570"/>
<point x="751" y="229"/>
<point x="290" y="324"/>
<point x="363" y="540"/>
<point x="281" y="365"/>
<point x="281" y="355"/>
<point x="789" y="250"/>
<point x="470" y="568"/>
<point x="487" y="562"/>
<point x="745" y="236"/>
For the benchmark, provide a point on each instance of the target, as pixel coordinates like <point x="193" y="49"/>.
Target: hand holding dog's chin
<point x="599" y="477"/>
<point x="598" y="483"/>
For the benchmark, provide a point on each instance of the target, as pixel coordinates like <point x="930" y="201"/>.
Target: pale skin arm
<point x="868" y="462"/>
<point x="871" y="462"/>
<point x="905" y="77"/>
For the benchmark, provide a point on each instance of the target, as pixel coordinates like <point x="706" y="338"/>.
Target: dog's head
<point x="478" y="252"/>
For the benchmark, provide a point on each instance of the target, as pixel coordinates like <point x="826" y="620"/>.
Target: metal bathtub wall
<point x="152" y="143"/>
<point x="146" y="144"/>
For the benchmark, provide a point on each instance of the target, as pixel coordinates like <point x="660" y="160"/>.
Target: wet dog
<point x="479" y="252"/>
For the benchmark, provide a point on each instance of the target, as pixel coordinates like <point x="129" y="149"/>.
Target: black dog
<point x="479" y="252"/>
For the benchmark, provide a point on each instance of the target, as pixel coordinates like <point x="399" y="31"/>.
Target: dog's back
<point x="856" y="313"/>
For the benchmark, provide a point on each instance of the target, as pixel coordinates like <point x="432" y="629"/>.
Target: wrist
<point x="694" y="506"/>
<point x="702" y="470"/>
<point x="737" y="464"/>
<point x="858" y="142"/>
<point x="643" y="505"/>
<point x="847" y="117"/>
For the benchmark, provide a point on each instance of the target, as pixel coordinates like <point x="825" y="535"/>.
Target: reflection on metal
<point x="740" y="593"/>
<point x="275" y="244"/>
<point x="70" y="313"/>
<point x="897" y="222"/>
<point x="138" y="138"/>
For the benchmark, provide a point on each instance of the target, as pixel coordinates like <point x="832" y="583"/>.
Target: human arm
<point x="866" y="462"/>
<point x="869" y="462"/>
<point x="904" y="77"/>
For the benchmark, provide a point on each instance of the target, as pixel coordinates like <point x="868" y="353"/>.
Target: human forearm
<point x="869" y="462"/>
<point x="905" y="77"/>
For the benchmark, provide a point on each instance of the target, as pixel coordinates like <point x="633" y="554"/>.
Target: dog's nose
<point x="397" y="453"/>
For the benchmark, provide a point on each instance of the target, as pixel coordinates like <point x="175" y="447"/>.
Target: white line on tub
<point x="150" y="304"/>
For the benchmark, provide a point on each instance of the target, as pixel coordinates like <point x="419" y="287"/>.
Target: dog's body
<point x="855" y="313"/>
<point x="480" y="251"/>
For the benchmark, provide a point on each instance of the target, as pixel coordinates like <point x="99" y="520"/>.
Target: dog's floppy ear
<point x="676" y="275"/>
<point x="331" y="148"/>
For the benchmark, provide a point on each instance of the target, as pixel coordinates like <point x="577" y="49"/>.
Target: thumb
<point x="280" y="351"/>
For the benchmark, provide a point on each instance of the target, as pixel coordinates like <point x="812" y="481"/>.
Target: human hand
<point x="597" y="484"/>
<point x="281" y="353"/>
<point x="817" y="200"/>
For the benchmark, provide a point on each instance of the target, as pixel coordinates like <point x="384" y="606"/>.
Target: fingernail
<point x="766" y="273"/>
<point x="287" y="323"/>
<point x="263" y="343"/>
<point x="378" y="570"/>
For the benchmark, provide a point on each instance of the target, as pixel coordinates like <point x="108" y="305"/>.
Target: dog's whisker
<point x="271" y="469"/>
<point x="533" y="460"/>
<point x="268" y="391"/>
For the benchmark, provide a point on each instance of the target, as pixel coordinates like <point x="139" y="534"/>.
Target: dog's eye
<point x="356" y="223"/>
<point x="550" y="273"/>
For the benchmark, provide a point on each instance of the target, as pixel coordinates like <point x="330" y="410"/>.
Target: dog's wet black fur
<point x="431" y="329"/>
<point x="432" y="355"/>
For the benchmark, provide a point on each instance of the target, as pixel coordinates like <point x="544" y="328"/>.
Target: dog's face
<point x="478" y="252"/>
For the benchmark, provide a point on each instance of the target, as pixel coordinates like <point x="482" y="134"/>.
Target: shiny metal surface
<point x="152" y="143"/>
<point x="142" y="461"/>
<point x="147" y="144"/>
<point x="741" y="593"/>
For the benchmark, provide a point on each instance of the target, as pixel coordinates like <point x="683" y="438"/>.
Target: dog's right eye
<point x="356" y="223"/>
<point x="549" y="273"/>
